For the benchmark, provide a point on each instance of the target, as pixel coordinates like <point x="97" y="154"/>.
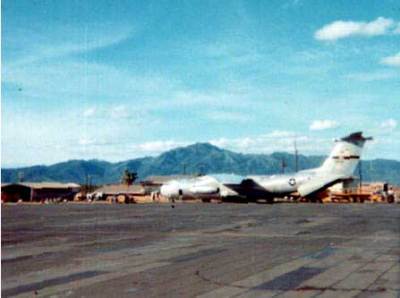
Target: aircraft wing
<point x="227" y="183"/>
<point x="319" y="183"/>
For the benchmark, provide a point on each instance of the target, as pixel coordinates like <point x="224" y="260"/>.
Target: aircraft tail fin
<point x="345" y="155"/>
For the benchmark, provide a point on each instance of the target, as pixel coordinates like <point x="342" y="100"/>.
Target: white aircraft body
<point x="339" y="166"/>
<point x="203" y="187"/>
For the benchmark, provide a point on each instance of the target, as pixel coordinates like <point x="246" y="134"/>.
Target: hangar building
<point x="37" y="191"/>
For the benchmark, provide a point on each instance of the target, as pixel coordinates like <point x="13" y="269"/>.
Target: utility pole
<point x="360" y="174"/>
<point x="84" y="188"/>
<point x="283" y="165"/>
<point x="89" y="183"/>
<point x="184" y="168"/>
<point x="296" y="157"/>
<point x="20" y="177"/>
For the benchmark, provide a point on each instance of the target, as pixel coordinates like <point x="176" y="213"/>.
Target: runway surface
<point x="205" y="250"/>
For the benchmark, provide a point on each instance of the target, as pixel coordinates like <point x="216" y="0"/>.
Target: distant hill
<point x="198" y="158"/>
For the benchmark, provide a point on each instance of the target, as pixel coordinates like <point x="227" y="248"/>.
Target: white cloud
<point x="342" y="29"/>
<point x="227" y="116"/>
<point x="90" y="112"/>
<point x="273" y="142"/>
<point x="70" y="80"/>
<point x="86" y="141"/>
<point x="156" y="147"/>
<point x="392" y="60"/>
<point x="280" y="134"/>
<point x="389" y="124"/>
<point x="323" y="124"/>
<point x="76" y="81"/>
<point x="397" y="30"/>
<point x="266" y="143"/>
<point x="56" y="44"/>
<point x="116" y="114"/>
<point x="235" y="53"/>
<point x="372" y="76"/>
<point x="119" y="111"/>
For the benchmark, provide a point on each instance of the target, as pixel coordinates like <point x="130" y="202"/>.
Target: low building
<point x="38" y="191"/>
<point x="114" y="192"/>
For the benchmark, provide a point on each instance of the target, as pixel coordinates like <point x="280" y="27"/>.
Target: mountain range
<point x="194" y="159"/>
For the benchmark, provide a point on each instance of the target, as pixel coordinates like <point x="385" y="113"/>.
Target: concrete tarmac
<point x="201" y="250"/>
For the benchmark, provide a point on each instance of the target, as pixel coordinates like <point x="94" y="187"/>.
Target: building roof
<point x="41" y="185"/>
<point x="37" y="185"/>
<point x="115" y="189"/>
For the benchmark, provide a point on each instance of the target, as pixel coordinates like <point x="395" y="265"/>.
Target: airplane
<point x="205" y="187"/>
<point x="339" y="166"/>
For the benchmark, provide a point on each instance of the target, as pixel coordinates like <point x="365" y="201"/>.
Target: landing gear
<point x="315" y="200"/>
<point x="264" y="201"/>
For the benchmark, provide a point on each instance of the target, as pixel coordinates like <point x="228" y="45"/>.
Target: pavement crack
<point x="218" y="283"/>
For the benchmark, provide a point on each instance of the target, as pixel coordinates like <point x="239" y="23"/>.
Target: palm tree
<point x="128" y="177"/>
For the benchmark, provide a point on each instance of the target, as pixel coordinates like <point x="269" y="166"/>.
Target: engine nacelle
<point x="170" y="190"/>
<point x="203" y="190"/>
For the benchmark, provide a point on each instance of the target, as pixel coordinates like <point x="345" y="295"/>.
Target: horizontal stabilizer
<point x="356" y="138"/>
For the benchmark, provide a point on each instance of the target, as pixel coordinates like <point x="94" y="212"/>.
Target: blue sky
<point x="120" y="79"/>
